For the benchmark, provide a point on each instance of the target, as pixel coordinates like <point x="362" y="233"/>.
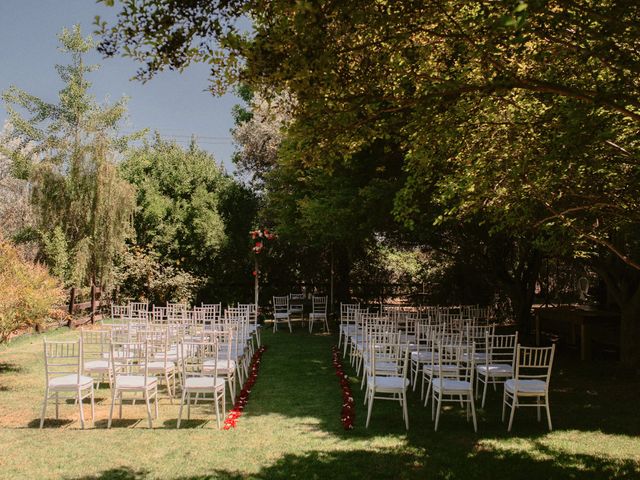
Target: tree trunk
<point x="630" y="332"/>
<point x="627" y="296"/>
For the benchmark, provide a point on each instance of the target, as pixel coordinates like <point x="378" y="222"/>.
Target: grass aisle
<point x="291" y="428"/>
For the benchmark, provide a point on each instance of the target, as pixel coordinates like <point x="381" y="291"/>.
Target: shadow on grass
<point x="405" y="465"/>
<point x="50" y="423"/>
<point x="9" y="368"/>
<point x="172" y="424"/>
<point x="5" y="368"/>
<point x="297" y="379"/>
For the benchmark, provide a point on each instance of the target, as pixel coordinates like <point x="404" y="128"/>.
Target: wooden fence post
<point x="93" y="302"/>
<point x="72" y="300"/>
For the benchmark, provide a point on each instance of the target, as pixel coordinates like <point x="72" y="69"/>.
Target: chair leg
<point x="435" y="428"/>
<point x="80" y="405"/>
<point x="484" y="391"/>
<point x="473" y="412"/>
<point x="57" y="405"/>
<point x="546" y="402"/>
<point x="538" y="408"/>
<point x="216" y="399"/>
<point x="146" y="400"/>
<point x="405" y="411"/>
<point x="370" y="408"/>
<point x="44" y="407"/>
<point x="166" y="378"/>
<point x="504" y="403"/>
<point x="513" y="411"/>
<point x="156" y="402"/>
<point x="184" y="394"/>
<point x="93" y="408"/>
<point x="120" y="405"/>
<point x="189" y="406"/>
<point x="224" y="403"/>
<point x="426" y="398"/>
<point x="113" y="401"/>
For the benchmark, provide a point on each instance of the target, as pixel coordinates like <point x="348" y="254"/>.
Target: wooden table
<point x="579" y="318"/>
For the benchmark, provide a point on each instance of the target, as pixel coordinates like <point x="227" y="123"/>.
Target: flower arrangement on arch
<point x="259" y="237"/>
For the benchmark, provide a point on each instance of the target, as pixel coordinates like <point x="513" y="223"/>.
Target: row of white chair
<point x="135" y="354"/>
<point x="449" y="357"/>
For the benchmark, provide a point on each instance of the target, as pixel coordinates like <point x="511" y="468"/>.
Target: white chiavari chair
<point x="530" y="381"/>
<point x="499" y="362"/>
<point x="129" y="362"/>
<point x="383" y="382"/>
<point x="63" y="371"/>
<point x="453" y="385"/>
<point x="281" y="312"/>
<point x="201" y="381"/>
<point x="319" y="312"/>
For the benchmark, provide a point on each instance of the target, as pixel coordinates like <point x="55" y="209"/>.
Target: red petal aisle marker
<point x="348" y="414"/>
<point x="243" y="396"/>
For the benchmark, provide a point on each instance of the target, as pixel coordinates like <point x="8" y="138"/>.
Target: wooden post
<point x="331" y="283"/>
<point x="93" y="302"/>
<point x="72" y="300"/>
<point x="256" y="283"/>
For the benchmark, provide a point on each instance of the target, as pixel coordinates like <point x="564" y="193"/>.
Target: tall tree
<point x="519" y="117"/>
<point x="82" y="205"/>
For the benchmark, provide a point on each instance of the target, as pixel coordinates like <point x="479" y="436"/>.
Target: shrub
<point x="28" y="293"/>
<point x="141" y="275"/>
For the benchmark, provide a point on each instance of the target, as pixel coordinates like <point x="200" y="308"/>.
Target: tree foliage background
<point x="498" y="133"/>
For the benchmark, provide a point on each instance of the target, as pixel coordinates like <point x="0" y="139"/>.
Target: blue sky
<point x="177" y="105"/>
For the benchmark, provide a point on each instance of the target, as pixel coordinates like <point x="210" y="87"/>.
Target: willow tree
<point x="81" y="204"/>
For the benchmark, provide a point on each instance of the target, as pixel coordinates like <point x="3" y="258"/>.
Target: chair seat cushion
<point x="204" y="383"/>
<point x="431" y="369"/>
<point x="446" y="385"/>
<point x="70" y="382"/>
<point x="383" y="384"/>
<point x="223" y="365"/>
<point x="536" y="387"/>
<point x="159" y="366"/>
<point x="134" y="382"/>
<point x="96" y="366"/>
<point x="423" y="356"/>
<point x="383" y="366"/>
<point x="495" y="370"/>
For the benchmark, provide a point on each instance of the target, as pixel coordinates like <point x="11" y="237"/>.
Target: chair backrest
<point x="193" y="356"/>
<point x="226" y="343"/>
<point x="296" y="302"/>
<point x="120" y="311"/>
<point x="281" y="304"/>
<point x="460" y="355"/>
<point x="384" y="348"/>
<point x="130" y="358"/>
<point x="95" y="344"/>
<point x="319" y="304"/>
<point x="138" y="307"/>
<point x="501" y="349"/>
<point x="62" y="358"/>
<point x="159" y="314"/>
<point x="534" y="363"/>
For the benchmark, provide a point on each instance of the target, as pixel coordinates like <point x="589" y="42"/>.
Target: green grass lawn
<point x="291" y="428"/>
